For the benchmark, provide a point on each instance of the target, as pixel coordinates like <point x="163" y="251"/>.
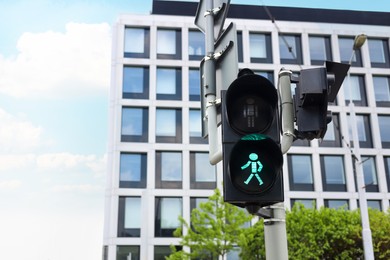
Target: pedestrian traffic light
<point x="315" y="88"/>
<point x="252" y="159"/>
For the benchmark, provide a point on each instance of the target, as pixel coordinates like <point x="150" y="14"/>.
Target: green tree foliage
<point x="252" y="242"/>
<point x="214" y="230"/>
<point x="380" y="229"/>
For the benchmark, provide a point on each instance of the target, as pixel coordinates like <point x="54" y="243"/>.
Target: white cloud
<point x="56" y="64"/>
<point x="85" y="188"/>
<point x="64" y="160"/>
<point x="17" y="134"/>
<point x="10" y="185"/>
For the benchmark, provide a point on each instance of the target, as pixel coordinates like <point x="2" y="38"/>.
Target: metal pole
<point x="275" y="234"/>
<point x="215" y="154"/>
<point x="366" y="231"/>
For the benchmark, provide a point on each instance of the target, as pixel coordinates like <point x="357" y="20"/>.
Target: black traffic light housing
<point x="252" y="159"/>
<point x="315" y="88"/>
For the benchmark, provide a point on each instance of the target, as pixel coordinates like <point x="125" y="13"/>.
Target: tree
<point x="214" y="230"/>
<point x="252" y="242"/>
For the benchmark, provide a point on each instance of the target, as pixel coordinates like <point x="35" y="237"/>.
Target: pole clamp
<point x="213" y="12"/>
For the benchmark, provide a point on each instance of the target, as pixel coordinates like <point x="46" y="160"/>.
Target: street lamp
<point x="366" y="231"/>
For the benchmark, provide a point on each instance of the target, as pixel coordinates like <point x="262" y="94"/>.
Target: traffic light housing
<point x="252" y="159"/>
<point x="315" y="88"/>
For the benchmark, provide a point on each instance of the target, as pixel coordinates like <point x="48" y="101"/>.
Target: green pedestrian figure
<point x="253" y="162"/>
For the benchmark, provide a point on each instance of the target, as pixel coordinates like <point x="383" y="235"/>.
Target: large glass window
<point x="320" y="50"/>
<point x="374" y="204"/>
<point x="240" y="51"/>
<point x="387" y="169"/>
<point x="168" y="44"/>
<point x="307" y="203"/>
<point x="382" y="90"/>
<point x="136" y="82"/>
<point x="346" y="45"/>
<point x="128" y="253"/>
<point x="337" y="204"/>
<point x="136" y="43"/>
<point x="202" y="173"/>
<point x="169" y="170"/>
<point x="363" y="131"/>
<point x="129" y="217"/>
<point x="290" y="49"/>
<point x="300" y="172"/>
<point x="134" y="124"/>
<point x="379" y="52"/>
<point x="168" y="125"/>
<point x="132" y="170"/>
<point x="195" y="126"/>
<point x="194" y="84"/>
<point x="161" y="252"/>
<point x="167" y="215"/>
<point x="354" y="88"/>
<point x="196" y="48"/>
<point x="333" y="176"/>
<point x="168" y="85"/>
<point x="370" y="175"/>
<point x="384" y="127"/>
<point x="260" y="47"/>
<point x="332" y="136"/>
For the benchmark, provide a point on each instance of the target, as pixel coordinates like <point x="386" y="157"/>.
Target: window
<point x="260" y="47"/>
<point x="168" y="125"/>
<point x="202" y="173"/>
<point x="307" y="203"/>
<point x="382" y="90"/>
<point x="196" y="48"/>
<point x="374" y="204"/>
<point x="134" y="124"/>
<point x="127" y="253"/>
<point x="136" y="82"/>
<point x="168" y="44"/>
<point x="169" y="170"/>
<point x="363" y="131"/>
<point x="168" y="86"/>
<point x="384" y="127"/>
<point x="379" y="53"/>
<point x="194" y="84"/>
<point x="195" y="126"/>
<point x="129" y="217"/>
<point x="290" y="49"/>
<point x="320" y="50"/>
<point x="332" y="136"/>
<point x="387" y="169"/>
<point x="300" y="172"/>
<point x="346" y="45"/>
<point x="333" y="176"/>
<point x="160" y="252"/>
<point x="132" y="170"/>
<point x="369" y="172"/>
<point x="337" y="204"/>
<point x="266" y="74"/>
<point x="240" y="52"/>
<point x="354" y="88"/>
<point x="136" y="43"/>
<point x="168" y="211"/>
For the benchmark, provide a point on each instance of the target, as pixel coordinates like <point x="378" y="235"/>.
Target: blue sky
<point x="54" y="80"/>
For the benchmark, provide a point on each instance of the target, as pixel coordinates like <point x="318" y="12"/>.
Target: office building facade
<point x="158" y="165"/>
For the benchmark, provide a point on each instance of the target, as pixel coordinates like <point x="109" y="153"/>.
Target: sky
<point x="54" y="83"/>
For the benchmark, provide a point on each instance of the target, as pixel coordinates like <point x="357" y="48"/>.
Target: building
<point x="158" y="162"/>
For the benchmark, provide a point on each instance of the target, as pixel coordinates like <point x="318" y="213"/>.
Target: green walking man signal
<point x="254" y="163"/>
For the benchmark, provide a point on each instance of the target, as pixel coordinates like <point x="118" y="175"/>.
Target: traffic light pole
<point x="215" y="154"/>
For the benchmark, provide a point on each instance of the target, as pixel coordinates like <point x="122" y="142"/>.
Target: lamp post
<point x="366" y="231"/>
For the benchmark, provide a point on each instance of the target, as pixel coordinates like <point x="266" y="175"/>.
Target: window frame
<point x="328" y="50"/>
<point x="178" y="127"/>
<point x="299" y="186"/>
<point x="385" y="103"/>
<point x="145" y="84"/>
<point x="177" y="55"/>
<point x="122" y="231"/>
<point x="367" y="130"/>
<point x="143" y="172"/>
<point x="268" y="48"/>
<point x="165" y="184"/>
<point x="332" y="186"/>
<point x="298" y="43"/>
<point x="146" y="43"/>
<point x="362" y="90"/>
<point x="145" y="124"/>
<point x="385" y="46"/>
<point x="196" y="184"/>
<point x="166" y="232"/>
<point x="358" y="62"/>
<point x="336" y="131"/>
<point x="196" y="56"/>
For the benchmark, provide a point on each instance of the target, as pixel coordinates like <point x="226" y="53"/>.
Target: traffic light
<point x="252" y="159"/>
<point x="315" y="88"/>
